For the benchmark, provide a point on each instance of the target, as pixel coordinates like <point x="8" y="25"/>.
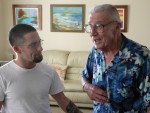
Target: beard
<point x="38" y="58"/>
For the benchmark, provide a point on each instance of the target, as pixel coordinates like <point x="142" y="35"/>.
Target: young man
<point x="25" y="83"/>
<point x="117" y="74"/>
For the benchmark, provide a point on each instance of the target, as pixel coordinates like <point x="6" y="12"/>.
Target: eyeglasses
<point x="35" y="44"/>
<point x="99" y="27"/>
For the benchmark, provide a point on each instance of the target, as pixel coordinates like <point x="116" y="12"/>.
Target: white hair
<point x="110" y="9"/>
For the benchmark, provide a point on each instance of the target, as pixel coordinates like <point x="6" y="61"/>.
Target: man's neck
<point x="26" y="65"/>
<point x="110" y="52"/>
<point x="113" y="48"/>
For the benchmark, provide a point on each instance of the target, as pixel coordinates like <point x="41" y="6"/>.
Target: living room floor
<point x="56" y="109"/>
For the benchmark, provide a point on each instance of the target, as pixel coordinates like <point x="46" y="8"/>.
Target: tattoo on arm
<point x="72" y="108"/>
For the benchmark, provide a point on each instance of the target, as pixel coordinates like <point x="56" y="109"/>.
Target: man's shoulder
<point x="6" y="65"/>
<point x="138" y="48"/>
<point x="44" y="66"/>
<point x="134" y="46"/>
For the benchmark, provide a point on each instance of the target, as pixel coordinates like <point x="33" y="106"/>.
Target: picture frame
<point x="123" y="13"/>
<point x="28" y="14"/>
<point x="67" y="18"/>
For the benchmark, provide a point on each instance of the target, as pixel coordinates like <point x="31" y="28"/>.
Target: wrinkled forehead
<point x="99" y="17"/>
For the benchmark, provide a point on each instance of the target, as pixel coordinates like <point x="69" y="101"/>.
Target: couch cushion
<point x="76" y="97"/>
<point x="73" y="85"/>
<point x="76" y="62"/>
<point x="61" y="70"/>
<point x="55" y="56"/>
<point x="74" y="73"/>
<point x="77" y="59"/>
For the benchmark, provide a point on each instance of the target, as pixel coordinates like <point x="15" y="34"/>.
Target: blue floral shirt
<point x="126" y="79"/>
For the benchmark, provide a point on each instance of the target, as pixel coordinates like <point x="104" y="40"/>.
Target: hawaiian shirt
<point x="126" y="79"/>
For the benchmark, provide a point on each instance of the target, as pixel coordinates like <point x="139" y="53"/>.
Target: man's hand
<point x="95" y="93"/>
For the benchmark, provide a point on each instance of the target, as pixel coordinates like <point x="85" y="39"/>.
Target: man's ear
<point x="17" y="49"/>
<point x="119" y="25"/>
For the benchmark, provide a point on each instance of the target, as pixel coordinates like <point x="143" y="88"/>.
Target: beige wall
<point x="138" y="23"/>
<point x="1" y="33"/>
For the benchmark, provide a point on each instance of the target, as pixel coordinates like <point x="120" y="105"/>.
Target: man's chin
<point x="98" y="47"/>
<point x="38" y="59"/>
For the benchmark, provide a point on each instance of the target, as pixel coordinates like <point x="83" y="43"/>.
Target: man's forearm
<point x="72" y="108"/>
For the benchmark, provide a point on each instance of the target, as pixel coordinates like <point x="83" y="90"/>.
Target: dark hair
<point x="16" y="34"/>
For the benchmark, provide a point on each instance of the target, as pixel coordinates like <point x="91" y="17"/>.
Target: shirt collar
<point x="124" y="53"/>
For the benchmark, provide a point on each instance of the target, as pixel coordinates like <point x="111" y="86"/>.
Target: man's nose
<point x="93" y="31"/>
<point x="40" y="48"/>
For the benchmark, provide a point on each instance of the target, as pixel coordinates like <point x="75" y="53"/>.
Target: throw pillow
<point x="61" y="70"/>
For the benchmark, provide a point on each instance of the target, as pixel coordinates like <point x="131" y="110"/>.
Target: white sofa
<point x="74" y="62"/>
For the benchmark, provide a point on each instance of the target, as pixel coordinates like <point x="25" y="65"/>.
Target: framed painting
<point x="28" y="14"/>
<point x="123" y="12"/>
<point x="67" y="18"/>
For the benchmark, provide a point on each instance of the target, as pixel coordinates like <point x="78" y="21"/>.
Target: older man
<point x="117" y="74"/>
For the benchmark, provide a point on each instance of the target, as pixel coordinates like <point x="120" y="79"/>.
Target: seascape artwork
<point x="67" y="18"/>
<point x="27" y="16"/>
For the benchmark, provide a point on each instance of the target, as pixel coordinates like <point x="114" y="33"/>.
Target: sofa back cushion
<point x="76" y="62"/>
<point x="55" y="57"/>
<point x="61" y="70"/>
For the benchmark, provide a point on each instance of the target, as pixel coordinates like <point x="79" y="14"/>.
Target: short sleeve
<point x="146" y="68"/>
<point x="88" y="69"/>
<point x="56" y="85"/>
<point x="61" y="70"/>
<point x="145" y="83"/>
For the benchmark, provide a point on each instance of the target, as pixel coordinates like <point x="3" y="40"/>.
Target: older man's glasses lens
<point x="99" y="27"/>
<point x="88" y="28"/>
